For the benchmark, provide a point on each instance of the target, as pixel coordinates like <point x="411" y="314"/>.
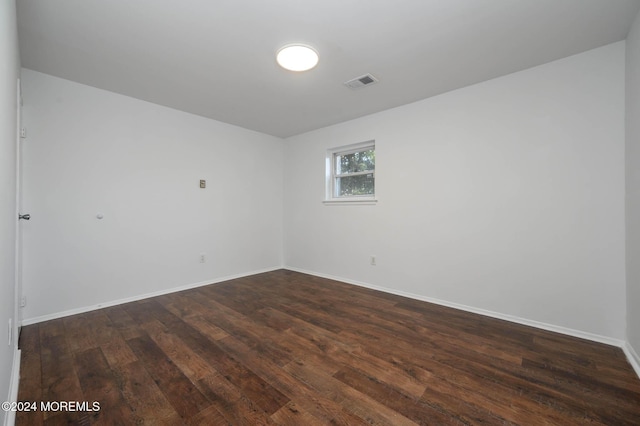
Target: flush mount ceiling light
<point x="297" y="57"/>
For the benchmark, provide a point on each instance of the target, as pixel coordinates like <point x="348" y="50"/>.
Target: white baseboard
<point x="10" y="416"/>
<point x="84" y="309"/>
<point x="632" y="356"/>
<point x="511" y="318"/>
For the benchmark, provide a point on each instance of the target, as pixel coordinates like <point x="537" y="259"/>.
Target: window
<point x="351" y="174"/>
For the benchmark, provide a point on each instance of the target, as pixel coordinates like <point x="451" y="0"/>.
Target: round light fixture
<point x="297" y="57"/>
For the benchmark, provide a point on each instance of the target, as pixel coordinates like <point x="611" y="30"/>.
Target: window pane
<point x="349" y="186"/>
<point x="356" y="162"/>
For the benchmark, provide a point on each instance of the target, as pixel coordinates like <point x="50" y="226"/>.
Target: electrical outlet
<point x="23" y="301"/>
<point x="203" y="258"/>
<point x="373" y="261"/>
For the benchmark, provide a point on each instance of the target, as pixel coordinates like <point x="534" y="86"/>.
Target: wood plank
<point x="78" y="334"/>
<point x="294" y="415"/>
<point x="253" y="334"/>
<point x="423" y="411"/>
<point x="320" y="407"/>
<point x="189" y="362"/>
<point x="183" y="395"/>
<point x="235" y="406"/>
<point x="521" y="399"/>
<point x="30" y="388"/>
<point x="208" y="417"/>
<point x="253" y="386"/>
<point x="144" y="396"/>
<point x="123" y="322"/>
<point x="118" y="353"/>
<point x="99" y="384"/>
<point x="335" y="355"/>
<point x="59" y="380"/>
<point x="361" y="405"/>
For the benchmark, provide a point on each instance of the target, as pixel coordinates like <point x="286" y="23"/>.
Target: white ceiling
<point x="216" y="58"/>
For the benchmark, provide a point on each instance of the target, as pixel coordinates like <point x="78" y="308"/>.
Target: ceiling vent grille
<point x="363" y="80"/>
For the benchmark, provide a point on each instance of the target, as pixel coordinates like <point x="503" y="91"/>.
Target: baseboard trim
<point x="10" y="416"/>
<point x="632" y="357"/>
<point x="511" y="318"/>
<point x="84" y="309"/>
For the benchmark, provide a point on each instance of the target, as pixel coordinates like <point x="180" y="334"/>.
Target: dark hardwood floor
<point x="289" y="348"/>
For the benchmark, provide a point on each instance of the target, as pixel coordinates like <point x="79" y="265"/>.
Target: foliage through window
<point x="352" y="172"/>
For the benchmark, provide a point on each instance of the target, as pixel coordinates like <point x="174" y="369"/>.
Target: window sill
<point x="351" y="201"/>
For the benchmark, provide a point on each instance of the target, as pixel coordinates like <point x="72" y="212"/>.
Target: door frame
<point x="18" y="243"/>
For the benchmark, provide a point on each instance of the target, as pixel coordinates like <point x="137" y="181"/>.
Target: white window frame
<point x="331" y="197"/>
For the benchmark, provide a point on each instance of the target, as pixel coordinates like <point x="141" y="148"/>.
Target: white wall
<point x="90" y="151"/>
<point x="9" y="72"/>
<point x="633" y="186"/>
<point x="506" y="196"/>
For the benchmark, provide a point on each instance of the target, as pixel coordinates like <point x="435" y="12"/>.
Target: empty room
<point x="320" y="212"/>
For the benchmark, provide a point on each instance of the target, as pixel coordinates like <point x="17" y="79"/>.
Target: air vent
<point x="363" y="80"/>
